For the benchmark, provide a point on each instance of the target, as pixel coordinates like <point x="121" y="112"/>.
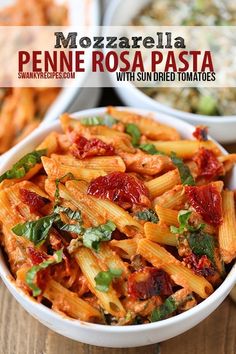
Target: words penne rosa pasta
<point x="117" y="220"/>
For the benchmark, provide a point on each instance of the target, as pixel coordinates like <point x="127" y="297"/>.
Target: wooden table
<point x="22" y="334"/>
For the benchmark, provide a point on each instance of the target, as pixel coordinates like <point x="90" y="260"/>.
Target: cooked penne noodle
<point x="103" y="163"/>
<point x="185" y="148"/>
<point x="160" y="185"/>
<point x="111" y="260"/>
<point x="147" y="125"/>
<point x="123" y="220"/>
<point x="50" y="143"/>
<point x="90" y="268"/>
<point x="159" y="233"/>
<point x="227" y="230"/>
<point x="181" y="275"/>
<point x="167" y="216"/>
<point x="83" y="203"/>
<point x="129" y="247"/>
<point x="68" y="302"/>
<point x="228" y="161"/>
<point x="56" y="170"/>
<point x="173" y="199"/>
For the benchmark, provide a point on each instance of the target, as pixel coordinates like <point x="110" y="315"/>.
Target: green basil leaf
<point x="71" y="214"/>
<point x="164" y="310"/>
<point x="107" y="120"/>
<point x="32" y="272"/>
<point x="148" y="215"/>
<point x="183" y="218"/>
<point x="94" y="120"/>
<point x="150" y="149"/>
<point x="36" y="231"/>
<point x="184" y="171"/>
<point x="20" y="168"/>
<point x="104" y="279"/>
<point x="202" y="244"/>
<point x="94" y="235"/>
<point x="133" y="130"/>
<point x="75" y="228"/>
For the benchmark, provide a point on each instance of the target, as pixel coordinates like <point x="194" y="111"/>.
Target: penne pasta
<point x="111" y="260"/>
<point x="90" y="268"/>
<point x="68" y="302"/>
<point x="181" y="275"/>
<point x="160" y="185"/>
<point x="167" y="216"/>
<point x="56" y="170"/>
<point x="103" y="163"/>
<point x="159" y="233"/>
<point x="123" y="220"/>
<point x="185" y="148"/>
<point x="173" y="199"/>
<point x="129" y="247"/>
<point x="227" y="230"/>
<point x="149" y="127"/>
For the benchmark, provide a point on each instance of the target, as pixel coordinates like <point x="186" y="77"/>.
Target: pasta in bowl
<point x="111" y="218"/>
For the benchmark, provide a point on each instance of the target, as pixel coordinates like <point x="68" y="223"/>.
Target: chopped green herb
<point x="183" y="218"/>
<point x="94" y="235"/>
<point x="75" y="228"/>
<point x="36" y="231"/>
<point x="148" y="215"/>
<point x="150" y="149"/>
<point x="184" y="171"/>
<point x="91" y="120"/>
<point x="170" y="305"/>
<point x="164" y="310"/>
<point x="31" y="274"/>
<point x="202" y="244"/>
<point x="104" y="279"/>
<point x="107" y="120"/>
<point x="20" y="168"/>
<point x="74" y="215"/>
<point x="133" y="130"/>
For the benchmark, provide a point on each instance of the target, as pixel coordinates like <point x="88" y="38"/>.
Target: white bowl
<point x="222" y="128"/>
<point x="112" y="336"/>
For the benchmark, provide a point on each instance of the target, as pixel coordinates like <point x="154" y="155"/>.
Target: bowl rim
<point x="219" y="294"/>
<point x="164" y="108"/>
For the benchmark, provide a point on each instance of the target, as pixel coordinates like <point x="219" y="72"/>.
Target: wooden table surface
<point x="22" y="334"/>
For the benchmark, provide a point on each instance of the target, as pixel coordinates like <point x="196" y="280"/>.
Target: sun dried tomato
<point x="207" y="201"/>
<point x="36" y="256"/>
<point x="34" y="201"/>
<point x="83" y="147"/>
<point x="121" y="188"/>
<point x="201" y="133"/>
<point x="148" y="282"/>
<point x="201" y="266"/>
<point x="208" y="164"/>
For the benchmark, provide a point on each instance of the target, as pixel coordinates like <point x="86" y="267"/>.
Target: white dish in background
<point x="81" y="13"/>
<point x="222" y="128"/>
<point x="113" y="336"/>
